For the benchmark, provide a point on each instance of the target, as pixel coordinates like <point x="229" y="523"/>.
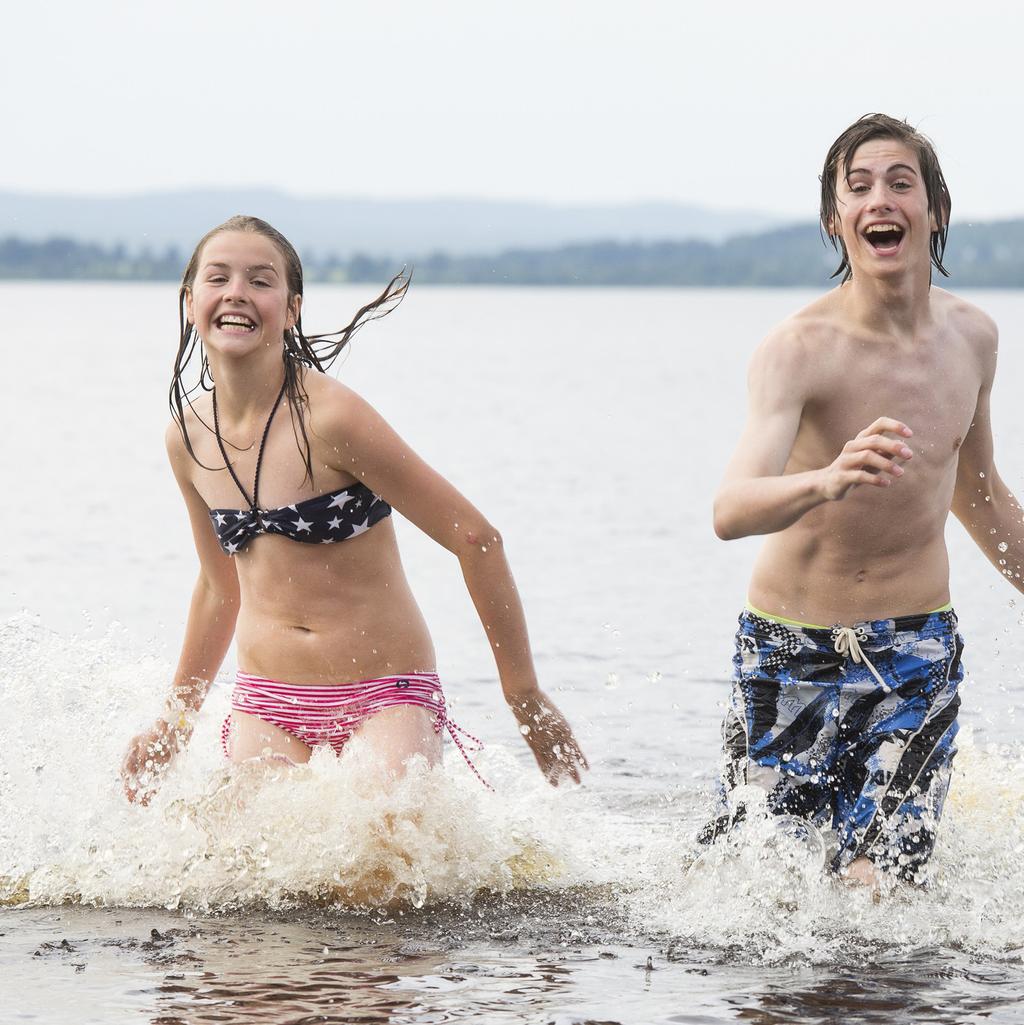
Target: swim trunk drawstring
<point x="847" y="642"/>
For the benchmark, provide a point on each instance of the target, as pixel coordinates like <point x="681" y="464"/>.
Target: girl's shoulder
<point x="197" y="416"/>
<point x="334" y="408"/>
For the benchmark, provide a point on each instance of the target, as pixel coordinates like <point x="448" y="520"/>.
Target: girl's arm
<point x="208" y="633"/>
<point x="369" y="449"/>
<point x="490" y="585"/>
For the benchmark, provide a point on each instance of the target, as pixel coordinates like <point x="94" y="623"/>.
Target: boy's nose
<point x="880" y="199"/>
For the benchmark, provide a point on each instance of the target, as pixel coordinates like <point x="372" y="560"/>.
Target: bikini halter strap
<point x="259" y="455"/>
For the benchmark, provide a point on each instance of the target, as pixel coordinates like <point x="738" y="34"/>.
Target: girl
<point x="289" y="479"/>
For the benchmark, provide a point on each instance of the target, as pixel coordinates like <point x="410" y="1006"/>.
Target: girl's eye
<point x="901" y="185"/>
<point x="263" y="284"/>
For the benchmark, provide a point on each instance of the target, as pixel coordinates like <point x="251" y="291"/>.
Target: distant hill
<point x="984" y="255"/>
<point x="979" y="255"/>
<point x="404" y="228"/>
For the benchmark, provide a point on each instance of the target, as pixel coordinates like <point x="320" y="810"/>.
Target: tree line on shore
<point x="989" y="255"/>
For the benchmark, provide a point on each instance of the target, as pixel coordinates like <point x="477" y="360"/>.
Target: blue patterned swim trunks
<point x="851" y="728"/>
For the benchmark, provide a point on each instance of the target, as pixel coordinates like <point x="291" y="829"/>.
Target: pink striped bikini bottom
<point x="318" y="715"/>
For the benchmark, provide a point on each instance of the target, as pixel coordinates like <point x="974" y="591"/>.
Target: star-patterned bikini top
<point x="324" y="519"/>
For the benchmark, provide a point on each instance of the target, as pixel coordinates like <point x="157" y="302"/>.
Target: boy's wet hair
<point x="299" y="350"/>
<point x="881" y="126"/>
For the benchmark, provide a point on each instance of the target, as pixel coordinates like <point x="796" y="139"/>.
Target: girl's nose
<point x="237" y="290"/>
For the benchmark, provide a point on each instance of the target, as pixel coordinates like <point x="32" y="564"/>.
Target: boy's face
<point x="883" y="210"/>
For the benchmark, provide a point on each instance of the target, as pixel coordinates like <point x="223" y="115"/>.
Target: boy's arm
<point x="756" y="495"/>
<point x="981" y="501"/>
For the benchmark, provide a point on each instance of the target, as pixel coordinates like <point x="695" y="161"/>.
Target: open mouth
<point x="235" y="323"/>
<point x="884" y="238"/>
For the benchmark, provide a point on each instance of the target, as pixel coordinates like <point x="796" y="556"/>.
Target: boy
<point x="868" y="422"/>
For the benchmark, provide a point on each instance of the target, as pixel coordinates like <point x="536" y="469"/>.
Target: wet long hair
<point x="299" y="350"/>
<point x="881" y="126"/>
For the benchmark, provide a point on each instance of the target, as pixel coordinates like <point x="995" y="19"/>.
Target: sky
<point x="725" y="105"/>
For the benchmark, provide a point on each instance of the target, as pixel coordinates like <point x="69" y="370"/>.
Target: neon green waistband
<point x="815" y="626"/>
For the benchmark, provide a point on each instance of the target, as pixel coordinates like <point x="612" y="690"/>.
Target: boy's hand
<point x="550" y="737"/>
<point x="870" y="458"/>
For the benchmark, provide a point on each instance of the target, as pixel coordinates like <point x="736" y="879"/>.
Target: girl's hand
<point x="147" y="759"/>
<point x="550" y="737"/>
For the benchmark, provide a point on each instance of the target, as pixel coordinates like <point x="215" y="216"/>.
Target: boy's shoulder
<point x="799" y="338"/>
<point x="966" y="319"/>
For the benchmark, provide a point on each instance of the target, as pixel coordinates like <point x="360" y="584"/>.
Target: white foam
<point x="767" y="897"/>
<point x="216" y="836"/>
<point x="329" y="833"/>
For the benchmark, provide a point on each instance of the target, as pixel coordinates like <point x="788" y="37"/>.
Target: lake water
<point x="591" y="427"/>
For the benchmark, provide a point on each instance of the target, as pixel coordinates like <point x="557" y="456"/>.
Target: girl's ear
<point x="294" y="309"/>
<point x="189" y="306"/>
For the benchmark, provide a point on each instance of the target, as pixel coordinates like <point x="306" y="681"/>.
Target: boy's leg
<point x="779" y="731"/>
<point x="896" y="771"/>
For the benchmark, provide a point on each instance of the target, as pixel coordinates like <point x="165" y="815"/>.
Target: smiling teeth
<point x="240" y="321"/>
<point x="881" y="227"/>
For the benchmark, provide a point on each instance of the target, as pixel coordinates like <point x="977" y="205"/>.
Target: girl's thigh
<point x="251" y="737"/>
<point x="398" y="733"/>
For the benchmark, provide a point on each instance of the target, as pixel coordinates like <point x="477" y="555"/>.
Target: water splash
<point x="331" y="832"/>
<point x="329" y="835"/>
<point x="763" y="894"/>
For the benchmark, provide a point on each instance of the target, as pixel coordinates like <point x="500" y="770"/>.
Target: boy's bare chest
<point x="933" y="389"/>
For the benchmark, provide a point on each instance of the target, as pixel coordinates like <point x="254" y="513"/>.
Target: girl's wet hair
<point x="317" y="352"/>
<point x="881" y="126"/>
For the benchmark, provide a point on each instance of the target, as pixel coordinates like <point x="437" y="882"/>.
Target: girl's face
<point x="239" y="300"/>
